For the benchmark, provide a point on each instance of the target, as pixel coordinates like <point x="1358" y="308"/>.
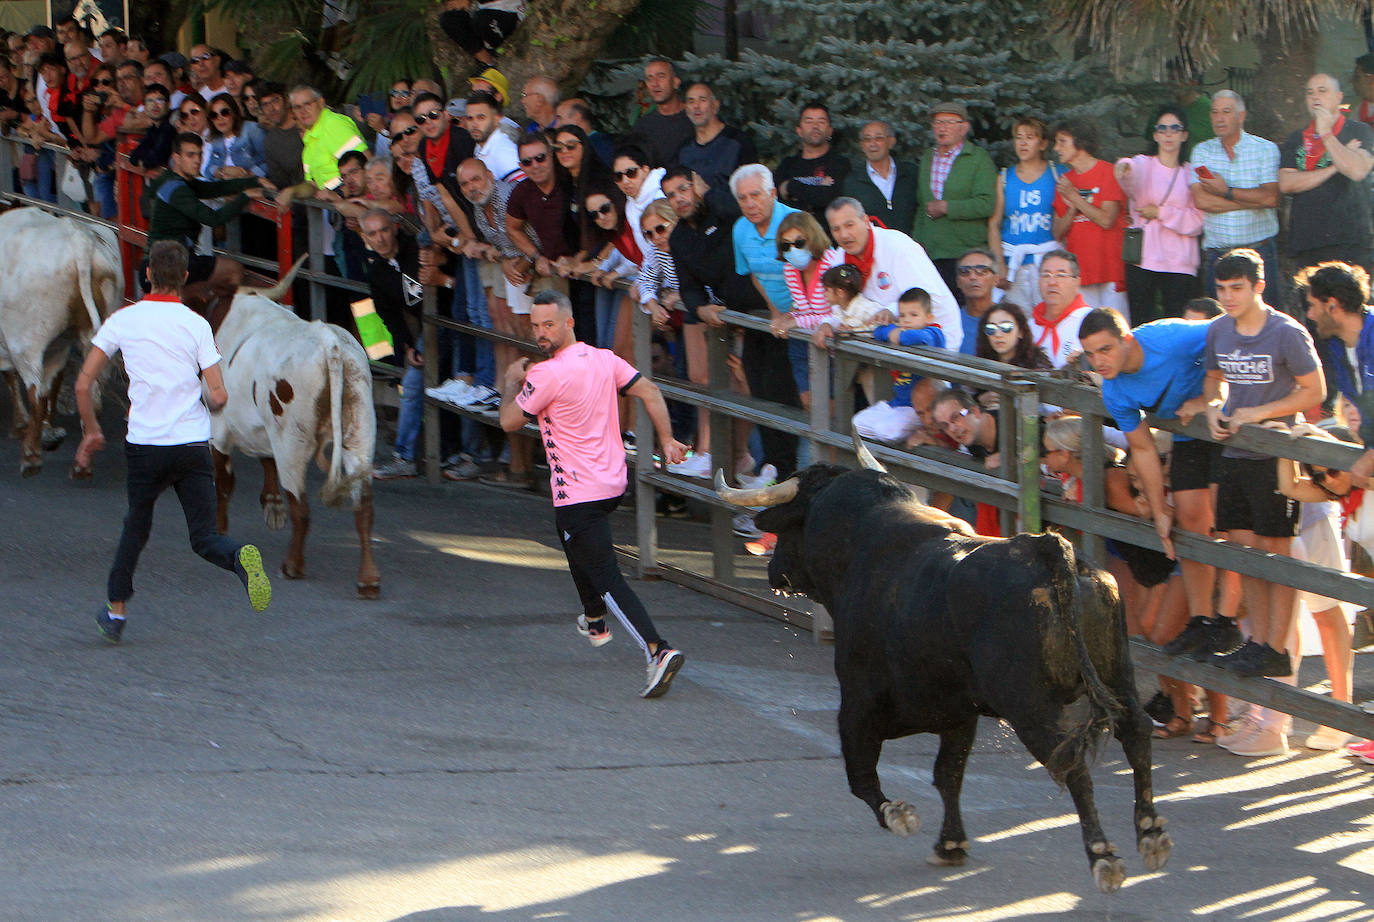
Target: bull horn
<point x="866" y="459"/>
<point x="276" y="291"/>
<point x="775" y="495"/>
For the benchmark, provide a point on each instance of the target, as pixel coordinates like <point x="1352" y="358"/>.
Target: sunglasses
<point x="960" y="415"/>
<point x="400" y="94"/>
<point x="798" y="243"/>
<point x="605" y="209"/>
<point x="992" y="329"/>
<point x="656" y="230"/>
<point x="567" y="145"/>
<point x="105" y="81"/>
<point x="980" y="269"/>
<point x="407" y="132"/>
<point x="249" y="97"/>
<point x="185" y="112"/>
<point x="537" y="158"/>
<point x="1169" y="129"/>
<point x="431" y="115"/>
<point x="631" y="173"/>
<point x="202" y="57"/>
<point x="221" y="113"/>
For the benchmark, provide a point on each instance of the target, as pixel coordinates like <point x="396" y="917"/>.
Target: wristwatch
<point x="1230" y="197"/>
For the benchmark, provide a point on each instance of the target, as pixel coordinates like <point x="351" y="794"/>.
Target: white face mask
<point x="798" y="258"/>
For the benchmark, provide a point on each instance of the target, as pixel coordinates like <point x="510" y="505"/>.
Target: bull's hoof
<point x="53" y="437"/>
<point x="948" y="854"/>
<point x="30" y="466"/>
<point x="81" y="473"/>
<point x="291" y="571"/>
<point x="1154" y="843"/>
<point x="900" y="817"/>
<point x="1109" y="873"/>
<point x="370" y="590"/>
<point x="274" y="511"/>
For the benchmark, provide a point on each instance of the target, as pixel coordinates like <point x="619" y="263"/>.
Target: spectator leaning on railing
<point x="327" y="135"/>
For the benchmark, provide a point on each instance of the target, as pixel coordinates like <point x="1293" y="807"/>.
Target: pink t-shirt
<point x="573" y="398"/>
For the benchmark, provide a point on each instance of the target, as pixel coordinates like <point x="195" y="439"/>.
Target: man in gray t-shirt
<point x="1261" y="365"/>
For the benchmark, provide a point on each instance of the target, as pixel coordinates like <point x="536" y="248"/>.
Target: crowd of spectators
<point x="1160" y="273"/>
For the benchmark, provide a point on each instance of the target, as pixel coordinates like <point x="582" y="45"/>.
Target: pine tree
<point x="891" y="59"/>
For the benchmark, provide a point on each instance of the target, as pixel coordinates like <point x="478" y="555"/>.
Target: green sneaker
<point x="249" y="569"/>
<point x="111" y="628"/>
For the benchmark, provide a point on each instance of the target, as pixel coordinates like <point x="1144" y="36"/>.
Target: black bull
<point x="936" y="626"/>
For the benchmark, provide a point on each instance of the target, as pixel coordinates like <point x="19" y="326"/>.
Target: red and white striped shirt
<point x="809" y="307"/>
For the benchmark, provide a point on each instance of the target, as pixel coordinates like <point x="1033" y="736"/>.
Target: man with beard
<point x="811" y="180"/>
<point x="572" y="396"/>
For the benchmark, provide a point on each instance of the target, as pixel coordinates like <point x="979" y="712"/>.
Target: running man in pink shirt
<point x="572" y="396"/>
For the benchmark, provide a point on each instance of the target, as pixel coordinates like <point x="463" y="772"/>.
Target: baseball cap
<point x="497" y="79"/>
<point x="173" y="59"/>
<point x="41" y="32"/>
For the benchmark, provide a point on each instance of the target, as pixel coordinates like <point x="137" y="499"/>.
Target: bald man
<point x="539" y="99"/>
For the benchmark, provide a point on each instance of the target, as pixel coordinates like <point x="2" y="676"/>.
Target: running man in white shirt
<point x="167" y="349"/>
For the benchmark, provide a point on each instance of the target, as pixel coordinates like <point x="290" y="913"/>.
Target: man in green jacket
<point x="957" y="191"/>
<point x="177" y="213"/>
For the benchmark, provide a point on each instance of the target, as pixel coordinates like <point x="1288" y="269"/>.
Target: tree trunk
<point x="560" y="39"/>
<point x="1276" y="106"/>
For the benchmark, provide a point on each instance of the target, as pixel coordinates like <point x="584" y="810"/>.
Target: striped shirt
<point x="809" y="307"/>
<point x="656" y="274"/>
<point x="495" y="233"/>
<point x="1256" y="163"/>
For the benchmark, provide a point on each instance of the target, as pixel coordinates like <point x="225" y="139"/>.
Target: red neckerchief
<point x="1365" y="113"/>
<point x="1314" y="146"/>
<point x="1072" y="487"/>
<point x="175" y="299"/>
<point x="864" y="261"/>
<point x="1051" y="327"/>
<point x="436" y="151"/>
<point x="1350" y="502"/>
<point x="54" y="99"/>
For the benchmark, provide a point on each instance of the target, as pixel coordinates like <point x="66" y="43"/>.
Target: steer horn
<point x="276" y="291"/>
<point x="866" y="459"/>
<point x="775" y="495"/>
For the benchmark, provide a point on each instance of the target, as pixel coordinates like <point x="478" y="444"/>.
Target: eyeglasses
<point x="307" y="105"/>
<point x="431" y="115"/>
<point x="631" y="173"/>
<point x="1319" y="474"/>
<point x="221" y="113"/>
<point x="979" y="269"/>
<point x="949" y="422"/>
<point x="656" y="230"/>
<point x="400" y="94"/>
<point x="797" y="243"/>
<point x="605" y="209"/>
<point x="407" y="132"/>
<point x="187" y="112"/>
<point x="567" y="145"/>
<point x="1059" y="275"/>
<point x="104" y="81"/>
<point x="992" y="329"/>
<point x="249" y="97"/>
<point x="537" y="158"/>
<point x="947" y="122"/>
<point x="865" y="138"/>
<point x="1169" y="129"/>
<point x="201" y="57"/>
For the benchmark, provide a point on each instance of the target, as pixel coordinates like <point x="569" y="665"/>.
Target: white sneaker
<point x="1327" y="739"/>
<point x="767" y="476"/>
<point x="698" y="465"/>
<point x="480" y="396"/>
<point x="1260" y="743"/>
<point x="451" y="391"/>
<point x="744" y="526"/>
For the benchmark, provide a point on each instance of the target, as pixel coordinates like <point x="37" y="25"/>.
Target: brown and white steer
<point x="295" y="388"/>
<point x="59" y="278"/>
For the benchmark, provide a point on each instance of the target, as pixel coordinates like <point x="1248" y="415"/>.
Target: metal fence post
<point x="723" y="451"/>
<point x="430" y="332"/>
<point x="646" y="522"/>
<point x="318" y="303"/>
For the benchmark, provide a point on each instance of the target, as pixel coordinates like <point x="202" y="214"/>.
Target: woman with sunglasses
<point x="1156" y="186"/>
<point x="1004" y="336"/>
<point x="236" y="147"/>
<point x="609" y="252"/>
<point x="657" y="285"/>
<point x="578" y="158"/>
<point x="805" y="250"/>
<point x="252" y="110"/>
<point x="640" y="185"/>
<point x="102" y="110"/>
<point x="191" y="116"/>
<point x="1326" y="493"/>
<point x="397" y="98"/>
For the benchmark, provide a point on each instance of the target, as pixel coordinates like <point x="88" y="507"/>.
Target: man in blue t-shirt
<point x="1159" y="368"/>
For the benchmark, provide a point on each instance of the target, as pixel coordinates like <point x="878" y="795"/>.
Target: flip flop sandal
<point x="1213" y="731"/>
<point x="1175" y="728"/>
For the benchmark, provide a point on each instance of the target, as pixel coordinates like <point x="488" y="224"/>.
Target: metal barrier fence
<point x="1015" y="488"/>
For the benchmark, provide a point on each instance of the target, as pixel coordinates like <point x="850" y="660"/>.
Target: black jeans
<point x="1153" y="295"/>
<point x="585" y="531"/>
<point x="152" y="469"/>
<point x="768" y="370"/>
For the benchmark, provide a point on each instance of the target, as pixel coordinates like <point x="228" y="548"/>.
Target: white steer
<point x="60" y="277"/>
<point x="295" y="388"/>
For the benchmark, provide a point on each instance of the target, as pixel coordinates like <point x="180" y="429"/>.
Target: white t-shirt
<point x="165" y="346"/>
<point x="500" y="155"/>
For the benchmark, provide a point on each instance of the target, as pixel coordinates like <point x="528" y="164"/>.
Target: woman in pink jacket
<point x="1156" y="184"/>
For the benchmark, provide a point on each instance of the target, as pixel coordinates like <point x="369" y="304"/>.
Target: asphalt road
<point x="455" y="751"/>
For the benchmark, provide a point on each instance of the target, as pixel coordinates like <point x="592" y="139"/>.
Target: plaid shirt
<point x="940" y="165"/>
<point x="1256" y="163"/>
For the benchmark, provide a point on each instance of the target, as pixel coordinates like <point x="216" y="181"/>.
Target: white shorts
<point x="521" y="298"/>
<point x="883" y="422"/>
<point x="1320" y="543"/>
<point x="491" y="275"/>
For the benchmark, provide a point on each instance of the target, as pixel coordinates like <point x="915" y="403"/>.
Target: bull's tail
<point x="1084" y="737"/>
<point x="85" y="256"/>
<point x="335" y="486"/>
